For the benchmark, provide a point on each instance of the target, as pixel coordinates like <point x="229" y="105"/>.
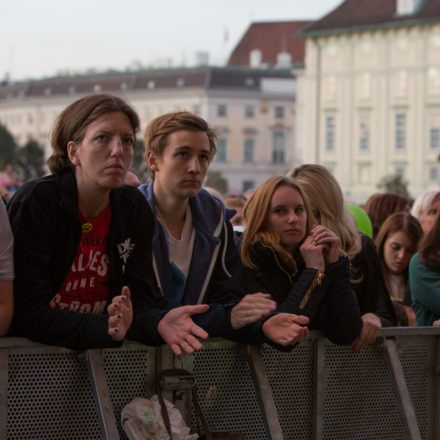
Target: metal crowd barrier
<point x="390" y="390"/>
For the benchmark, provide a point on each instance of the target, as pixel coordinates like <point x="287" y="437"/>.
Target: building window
<point x="278" y="147"/>
<point x="279" y="112"/>
<point x="247" y="185"/>
<point x="248" y="150"/>
<point x="364" y="133"/>
<point x="434" y="137"/>
<point x="249" y="111"/>
<point x="329" y="133"/>
<point x="399" y="171"/>
<point x="434" y="175"/>
<point x="222" y="110"/>
<point x="400" y="131"/>
<point x="222" y="150"/>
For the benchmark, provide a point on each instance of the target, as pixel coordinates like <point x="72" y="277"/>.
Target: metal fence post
<point x="3" y="392"/>
<point x="319" y="380"/>
<point x="264" y="393"/>
<point x="101" y="393"/>
<point x="401" y="390"/>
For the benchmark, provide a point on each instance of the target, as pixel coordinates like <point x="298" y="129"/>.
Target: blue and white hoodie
<point x="215" y="268"/>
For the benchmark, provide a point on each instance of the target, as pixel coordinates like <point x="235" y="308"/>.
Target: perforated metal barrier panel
<point x="291" y="379"/>
<point x="50" y="394"/>
<point x="226" y="392"/>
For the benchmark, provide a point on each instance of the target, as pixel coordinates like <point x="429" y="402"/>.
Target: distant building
<point x="369" y="97"/>
<point x="271" y="44"/>
<point x="253" y="110"/>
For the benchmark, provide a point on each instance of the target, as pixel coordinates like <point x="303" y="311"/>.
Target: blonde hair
<point x="327" y="204"/>
<point x="255" y="214"/>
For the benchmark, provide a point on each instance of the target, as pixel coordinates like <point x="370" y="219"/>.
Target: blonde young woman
<point x="298" y="263"/>
<point x="327" y="204"/>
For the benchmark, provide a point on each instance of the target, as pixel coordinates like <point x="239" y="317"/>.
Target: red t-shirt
<point x="85" y="288"/>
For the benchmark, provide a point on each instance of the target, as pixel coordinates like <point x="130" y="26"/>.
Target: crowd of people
<point x="88" y="257"/>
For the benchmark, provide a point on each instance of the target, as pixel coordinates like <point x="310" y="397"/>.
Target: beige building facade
<point x="253" y="111"/>
<point x="369" y="96"/>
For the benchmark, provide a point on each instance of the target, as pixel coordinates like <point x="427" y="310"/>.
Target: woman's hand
<point x="179" y="331"/>
<point x="312" y="254"/>
<point x="329" y="240"/>
<point x="370" y="329"/>
<point x="286" y="328"/>
<point x="251" y="308"/>
<point x="120" y="315"/>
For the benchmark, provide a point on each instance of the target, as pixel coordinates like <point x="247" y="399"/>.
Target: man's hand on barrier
<point x="436" y="323"/>
<point x="251" y="308"/>
<point x="179" y="331"/>
<point x="286" y="328"/>
<point x="370" y="329"/>
<point x="120" y="315"/>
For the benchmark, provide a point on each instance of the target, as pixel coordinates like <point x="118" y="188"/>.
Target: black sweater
<point x="47" y="230"/>
<point x="331" y="306"/>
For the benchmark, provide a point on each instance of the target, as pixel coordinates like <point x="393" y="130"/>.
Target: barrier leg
<point x="319" y="389"/>
<point x="264" y="393"/>
<point x="3" y="392"/>
<point x="401" y="389"/>
<point x="104" y="405"/>
<point x="436" y="383"/>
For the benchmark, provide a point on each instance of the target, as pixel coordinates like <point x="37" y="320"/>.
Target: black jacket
<point x="368" y="284"/>
<point x="331" y="306"/>
<point x="44" y="219"/>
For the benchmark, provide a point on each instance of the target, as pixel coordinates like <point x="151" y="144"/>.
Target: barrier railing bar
<point x="264" y="394"/>
<point x="401" y="390"/>
<point x="436" y="382"/>
<point x="3" y="392"/>
<point x="319" y="379"/>
<point x="109" y="430"/>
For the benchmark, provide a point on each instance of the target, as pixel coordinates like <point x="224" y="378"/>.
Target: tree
<point x="215" y="179"/>
<point x="8" y="147"/>
<point x="394" y="184"/>
<point x="30" y="160"/>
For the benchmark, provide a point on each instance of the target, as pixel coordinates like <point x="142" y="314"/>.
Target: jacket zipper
<point x="317" y="281"/>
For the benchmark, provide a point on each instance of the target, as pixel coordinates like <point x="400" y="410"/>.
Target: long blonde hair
<point x="327" y="204"/>
<point x="255" y="215"/>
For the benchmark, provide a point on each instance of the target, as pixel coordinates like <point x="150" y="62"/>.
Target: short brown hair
<point x="72" y="123"/>
<point x="158" y="130"/>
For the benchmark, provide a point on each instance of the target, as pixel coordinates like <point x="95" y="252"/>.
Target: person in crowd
<point x="299" y="263"/>
<point x="236" y="202"/>
<point x="424" y="277"/>
<point x="132" y="179"/>
<point x="327" y="205"/>
<point x="82" y="239"/>
<point x="9" y="178"/>
<point x="6" y="271"/>
<point x="396" y="242"/>
<point x="194" y="256"/>
<point x="425" y="209"/>
<point x="4" y="194"/>
<point x="381" y="205"/>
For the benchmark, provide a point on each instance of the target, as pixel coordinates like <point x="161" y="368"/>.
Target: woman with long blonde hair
<point x="299" y="263"/>
<point x="327" y="204"/>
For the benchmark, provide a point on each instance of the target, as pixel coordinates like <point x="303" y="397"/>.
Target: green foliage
<point x="394" y="184"/>
<point x="7" y="147"/>
<point x="30" y="160"/>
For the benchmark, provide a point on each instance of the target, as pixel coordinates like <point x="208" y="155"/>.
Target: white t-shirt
<point x="6" y="246"/>
<point x="180" y="253"/>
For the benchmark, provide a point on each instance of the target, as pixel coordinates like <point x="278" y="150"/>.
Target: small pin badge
<point x="87" y="227"/>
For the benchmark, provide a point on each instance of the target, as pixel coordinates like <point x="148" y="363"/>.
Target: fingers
<point x="176" y="349"/>
<point x="199" y="332"/>
<point x="194" y="310"/>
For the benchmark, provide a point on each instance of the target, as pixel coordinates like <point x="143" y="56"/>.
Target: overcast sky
<point x="42" y="37"/>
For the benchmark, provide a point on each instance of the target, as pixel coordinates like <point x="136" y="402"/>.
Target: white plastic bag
<point x="141" y="420"/>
